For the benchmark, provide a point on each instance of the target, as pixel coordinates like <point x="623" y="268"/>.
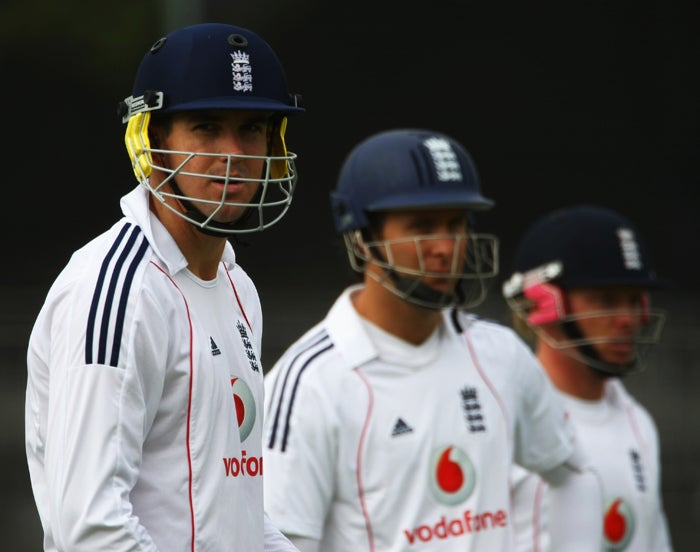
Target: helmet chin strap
<point x="416" y="291"/>
<point x="429" y="297"/>
<point x="587" y="351"/>
<point x="213" y="228"/>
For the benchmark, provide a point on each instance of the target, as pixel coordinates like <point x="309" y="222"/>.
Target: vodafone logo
<point x="243" y="465"/>
<point x="452" y="481"/>
<point x="245" y="407"/>
<point x="465" y="524"/>
<point x="452" y="476"/>
<point x="618" y="525"/>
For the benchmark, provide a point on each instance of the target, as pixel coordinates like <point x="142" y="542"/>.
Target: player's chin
<point x="443" y="285"/>
<point x="230" y="214"/>
<point x="620" y="355"/>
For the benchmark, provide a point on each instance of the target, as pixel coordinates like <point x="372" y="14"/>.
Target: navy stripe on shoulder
<point x="285" y="395"/>
<point x="105" y="325"/>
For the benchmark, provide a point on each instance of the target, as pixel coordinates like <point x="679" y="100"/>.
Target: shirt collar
<point x="135" y="206"/>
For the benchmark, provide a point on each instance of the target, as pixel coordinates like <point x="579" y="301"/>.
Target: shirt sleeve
<point x="660" y="534"/>
<point x="529" y="512"/>
<point x="576" y="509"/>
<point x="99" y="416"/>
<point x="275" y="541"/>
<point x="300" y="450"/>
<point x="544" y="437"/>
<point x="306" y="545"/>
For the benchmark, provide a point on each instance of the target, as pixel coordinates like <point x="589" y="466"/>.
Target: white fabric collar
<point x="135" y="207"/>
<point x="353" y="338"/>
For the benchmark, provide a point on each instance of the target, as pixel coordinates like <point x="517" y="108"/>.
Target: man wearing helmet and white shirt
<point x="580" y="290"/>
<point x="393" y="423"/>
<point x="144" y="394"/>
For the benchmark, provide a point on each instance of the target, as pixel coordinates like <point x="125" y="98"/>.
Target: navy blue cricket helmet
<point x="413" y="169"/>
<point x="402" y="169"/>
<point x="583" y="246"/>
<point x="213" y="66"/>
<point x="595" y="245"/>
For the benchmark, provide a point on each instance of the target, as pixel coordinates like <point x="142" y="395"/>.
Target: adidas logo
<point x="214" y="349"/>
<point x="401" y="427"/>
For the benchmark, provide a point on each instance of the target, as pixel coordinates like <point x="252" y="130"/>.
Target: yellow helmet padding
<point x="279" y="167"/>
<point x="137" y="142"/>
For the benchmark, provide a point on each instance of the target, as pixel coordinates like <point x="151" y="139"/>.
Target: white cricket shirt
<point x="144" y="396"/>
<point x="396" y="447"/>
<point x="620" y="440"/>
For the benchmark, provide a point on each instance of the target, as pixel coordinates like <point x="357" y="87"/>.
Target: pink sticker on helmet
<point x="548" y="303"/>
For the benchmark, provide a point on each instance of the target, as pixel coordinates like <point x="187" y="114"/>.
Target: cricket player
<point x="581" y="290"/>
<point x="145" y="388"/>
<point x="393" y="424"/>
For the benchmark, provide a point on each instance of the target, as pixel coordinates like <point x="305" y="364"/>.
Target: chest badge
<point x="245" y="407"/>
<point x="618" y="525"/>
<point x="452" y="475"/>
